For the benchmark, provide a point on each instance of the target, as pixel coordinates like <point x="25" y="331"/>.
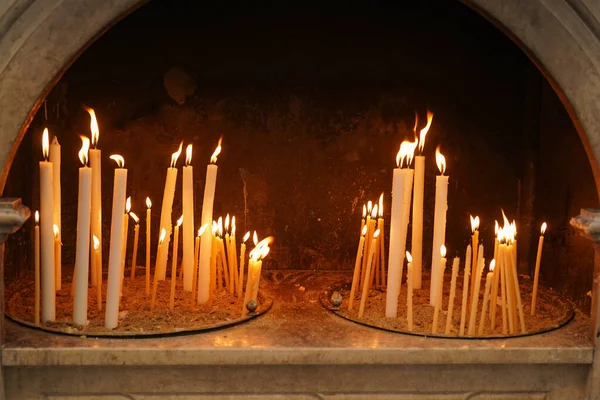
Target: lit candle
<point x="113" y="285"/>
<point x="370" y="230"/>
<point x="213" y="260"/>
<point x="515" y="281"/>
<point x="125" y="238"/>
<point x="161" y="245"/>
<point x="167" y="209"/>
<point x="489" y="278"/>
<point x="381" y="249"/>
<point x="136" y="234"/>
<point x="409" y="292"/>
<point x="57" y="249"/>
<point x="417" y="217"/>
<point x="196" y="260"/>
<point x="55" y="159"/>
<point x="502" y="252"/>
<point x="475" y="303"/>
<point x="188" y="221"/>
<point x="440" y="290"/>
<point x="98" y="272"/>
<point x="229" y="258"/>
<point x="36" y="266"/>
<point x="82" y="252"/>
<point x="233" y="252"/>
<point x="455" y="266"/>
<point x="96" y="165"/>
<point x="536" y="277"/>
<point x="364" y="216"/>
<point x="500" y="270"/>
<point x="367" y="280"/>
<point x="221" y="250"/>
<point x="47" y="233"/>
<point x="439" y="222"/>
<point x="401" y="194"/>
<point x="475" y="244"/>
<point x="494" y="292"/>
<point x="206" y="240"/>
<point x="258" y="254"/>
<point x="357" y="264"/>
<point x="148" y="243"/>
<point x="242" y="261"/>
<point x="465" y="292"/>
<point x="174" y="265"/>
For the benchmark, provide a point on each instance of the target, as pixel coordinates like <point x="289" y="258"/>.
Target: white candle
<point x="125" y="238"/>
<point x="486" y="296"/>
<point x="165" y="215"/>
<point x="401" y="188"/>
<point x="188" y="221"/>
<point x="233" y="246"/>
<point x="367" y="281"/>
<point x="409" y="292"/>
<point x="475" y="244"/>
<point x="242" y="261"/>
<point x="475" y="302"/>
<point x="258" y="254"/>
<point x="98" y="271"/>
<point x="417" y="217"/>
<point x="36" y="265"/>
<point x="494" y="291"/>
<point x="148" y="243"/>
<point x="465" y="292"/>
<point x="57" y="250"/>
<point x="55" y="159"/>
<point x="439" y="222"/>
<point x="96" y="165"/>
<point x="174" y="265"/>
<point x="161" y="248"/>
<point x="136" y="235"/>
<point x="455" y="265"/>
<point x="206" y="240"/>
<point x="536" y="277"/>
<point x="47" y="233"/>
<point x="82" y="252"/>
<point x="381" y="227"/>
<point x="439" y="290"/>
<point x="116" y="244"/>
<point x="357" y="265"/>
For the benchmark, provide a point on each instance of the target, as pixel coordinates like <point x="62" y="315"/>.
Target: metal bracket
<point x="13" y="215"/>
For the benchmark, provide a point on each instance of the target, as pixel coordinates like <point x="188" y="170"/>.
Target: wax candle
<point x="439" y="290"/>
<point x="258" y="254"/>
<point x="417" y="216"/>
<point x="125" y="238"/>
<point x="148" y="243"/>
<point x="489" y="278"/>
<point x="229" y="258"/>
<point x="475" y="244"/>
<point x="364" y="216"/>
<point x="233" y="251"/>
<point x="36" y="266"/>
<point x="82" y="252"/>
<point x="409" y="292"/>
<point x="196" y="260"/>
<point x="502" y="273"/>
<point x="357" y="265"/>
<point x="536" y="277"/>
<point x="57" y="250"/>
<point x="55" y="159"/>
<point x="502" y="252"/>
<point x="136" y="234"/>
<point x="161" y="245"/>
<point x="381" y="227"/>
<point x="113" y="285"/>
<point x="242" y="261"/>
<point x="439" y="222"/>
<point x="455" y="266"/>
<point x="475" y="303"/>
<point x="213" y="260"/>
<point x="206" y="240"/>
<point x="96" y="165"/>
<point x="47" y="233"/>
<point x="174" y="265"/>
<point x="517" y="290"/>
<point x="370" y="230"/>
<point x="96" y="255"/>
<point x="465" y="292"/>
<point x="188" y="221"/>
<point x="367" y="280"/>
<point x="401" y="194"/>
<point x="494" y="291"/>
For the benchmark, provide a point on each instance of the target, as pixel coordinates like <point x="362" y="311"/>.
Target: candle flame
<point x="163" y="234"/>
<point x="474" y="223"/>
<point x="424" y="131"/>
<point x="227" y="223"/>
<point x="134" y="217"/>
<point x="492" y="265"/>
<point x="443" y="251"/>
<point x="96" y="242"/>
<point x="85" y="147"/>
<point x="364" y="231"/>
<point x="440" y="160"/>
<point x="188" y="155"/>
<point x="202" y="229"/>
<point x="255" y="238"/>
<point x="118" y="159"/>
<point x="544" y="226"/>
<point x="369" y="207"/>
<point x="406" y="152"/>
<point x="262" y="249"/>
<point x="376" y="233"/>
<point x="514" y="227"/>
<point x="37" y="217"/>
<point x="496" y="228"/>
<point x="364" y="211"/>
<point x="176" y="155"/>
<point x="148" y="202"/>
<point x="246" y="236"/>
<point x="128" y="205"/>
<point x="416" y="123"/>
<point x="233" y="225"/>
<point x="374" y="212"/>
<point x="93" y="125"/>
<point x="507" y="233"/>
<point x="381" y="205"/>
<point x="215" y="228"/>
<point x="408" y="257"/>
<point x="56" y="231"/>
<point x="45" y="144"/>
<point x="180" y="221"/>
<point x="220" y="225"/>
<point x="213" y="158"/>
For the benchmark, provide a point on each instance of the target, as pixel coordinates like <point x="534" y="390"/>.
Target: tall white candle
<point x="368" y="278"/>
<point x="240" y="286"/>
<point x="409" y="292"/>
<point x="125" y="238"/>
<point x="96" y="165"/>
<point x="188" y="221"/>
<point x="455" y="265"/>
<point x="417" y="217"/>
<point x="538" y="261"/>
<point x="47" y="233"/>
<point x="148" y="243"/>
<point x="136" y="235"/>
<point x="475" y="302"/>
<point x="96" y="254"/>
<point x="174" y="265"/>
<point x="165" y="215"/>
<point x="465" y="292"/>
<point x="36" y="266"/>
<point x="489" y="278"/>
<point x="116" y="244"/>
<point x="475" y="244"/>
<point x="233" y="246"/>
<point x="401" y="194"/>
<point x="206" y="240"/>
<point x="439" y="223"/>
<point x="82" y="251"/>
<point x="55" y="159"/>
<point x="439" y="290"/>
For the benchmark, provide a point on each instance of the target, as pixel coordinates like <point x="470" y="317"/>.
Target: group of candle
<point x="409" y="183"/>
<point x="202" y="258"/>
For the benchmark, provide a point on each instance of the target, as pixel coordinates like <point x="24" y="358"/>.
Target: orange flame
<point x="492" y="265"/>
<point x="227" y="223"/>
<point x="255" y="238"/>
<point x="37" y="217"/>
<point x="544" y="226"/>
<point x="96" y="242"/>
<point x="180" y="221"/>
<point x="364" y="231"/>
<point x="233" y="225"/>
<point x="440" y="160"/>
<point x="220" y="225"/>
<point x="215" y="228"/>
<point x="202" y="229"/>
<point x="163" y="234"/>
<point x="381" y="205"/>
<point x="376" y="233"/>
<point x="188" y="155"/>
<point x="474" y="223"/>
<point x="374" y="212"/>
<point x="134" y="217"/>
<point x="406" y="152"/>
<point x="148" y="202"/>
<point x="85" y="147"/>
<point x="118" y="159"/>
<point x="408" y="257"/>
<point x="176" y="155"/>
<point x="45" y="144"/>
<point x="128" y="205"/>
<point x="93" y="125"/>
<point x="246" y="236"/>
<point x="364" y="215"/>
<point x="443" y="251"/>
<point x="262" y="249"/>
<point x="56" y="231"/>
<point x="213" y="158"/>
<point x="424" y="131"/>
